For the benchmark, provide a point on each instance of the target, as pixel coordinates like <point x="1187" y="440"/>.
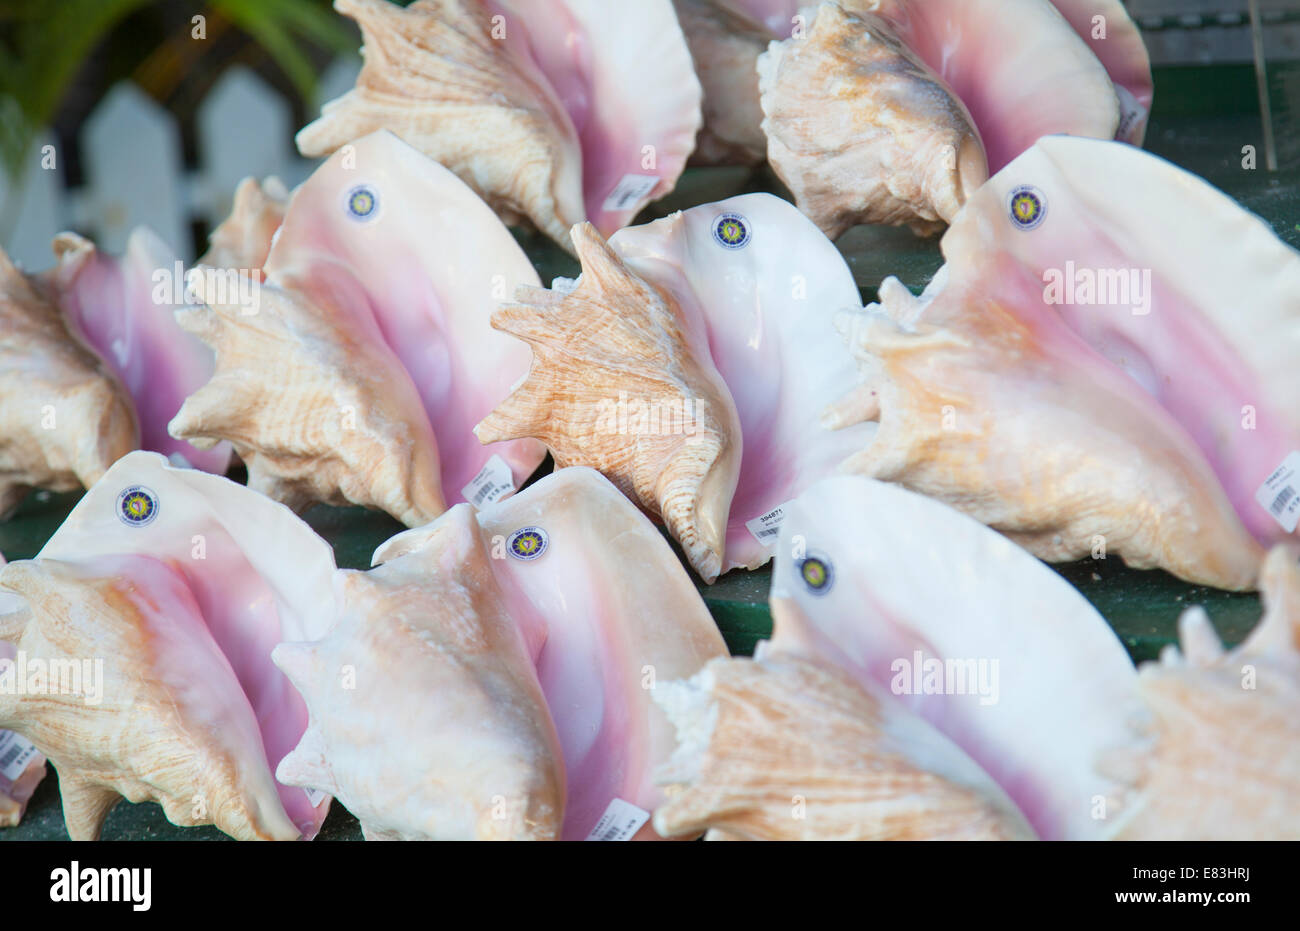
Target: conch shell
<point x="789" y="748"/>
<point x="354" y="369"/>
<point x="64" y="416"/>
<point x="243" y="240"/>
<point x="159" y="601"/>
<point x="500" y="650"/>
<point x="753" y="288"/>
<point x="887" y="587"/>
<point x="1016" y="90"/>
<point x="124" y="308"/>
<point x="725" y="48"/>
<point x="617" y="334"/>
<point x="1041" y="383"/>
<point x="1218" y="755"/>
<point x="541" y="108"/>
<point x="862" y="131"/>
<point x="455" y="739"/>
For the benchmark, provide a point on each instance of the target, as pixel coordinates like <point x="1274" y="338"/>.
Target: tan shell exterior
<point x="436" y="77"/>
<point x="862" y="131"/>
<point x="615" y="339"/>
<point x="797" y="751"/>
<point x="464" y="748"/>
<point x="1220" y="758"/>
<point x="725" y="48"/>
<point x="243" y="239"/>
<point x="64" y="417"/>
<point x="970" y="403"/>
<point x="146" y="739"/>
<point x="318" y="411"/>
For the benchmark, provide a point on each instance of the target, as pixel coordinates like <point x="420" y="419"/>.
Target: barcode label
<point x="630" y="192"/>
<point x="315" y="797"/>
<point x="15" y="753"/>
<point x="493" y="482"/>
<point x="1280" y="494"/>
<point x="620" y="821"/>
<point x="767" y="529"/>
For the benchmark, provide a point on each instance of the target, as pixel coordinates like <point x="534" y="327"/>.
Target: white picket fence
<point x="134" y="174"/>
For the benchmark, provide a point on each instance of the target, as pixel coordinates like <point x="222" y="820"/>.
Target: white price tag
<point x="630" y="192"/>
<point x="767" y="529"/>
<point x="620" y="821"/>
<point x="1280" y="494"/>
<point x="15" y="753"/>
<point x="493" y="482"/>
<point x="315" y="797"/>
<point x="1130" y="111"/>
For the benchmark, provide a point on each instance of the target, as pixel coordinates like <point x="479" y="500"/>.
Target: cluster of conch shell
<point x="1092" y="372"/>
<point x="927" y="679"/>
<point x="539" y="107"/>
<point x="490" y="678"/>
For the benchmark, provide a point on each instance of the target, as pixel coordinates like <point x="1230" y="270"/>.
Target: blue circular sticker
<point x="1028" y="207"/>
<point x="731" y="231"/>
<point x="528" y="543"/>
<point x="362" y="202"/>
<point x="137" y="506"/>
<point x="817" y="574"/>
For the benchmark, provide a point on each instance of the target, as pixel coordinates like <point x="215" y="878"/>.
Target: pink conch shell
<point x="788" y="748"/>
<point x="243" y="239"/>
<point x="725" y="48"/>
<point x="1115" y="332"/>
<point x="617" y="338"/>
<point x="862" y="131"/>
<point x="1017" y="65"/>
<point x="607" y="613"/>
<point x="124" y="308"/>
<point x="1218" y="757"/>
<point x="167" y="589"/>
<point x="757" y="287"/>
<point x="444" y="732"/>
<point x="542" y="108"/>
<point x="1115" y="39"/>
<point x="22" y="767"/>
<point x="64" y="416"/>
<point x="372" y="327"/>
<point x="888" y="584"/>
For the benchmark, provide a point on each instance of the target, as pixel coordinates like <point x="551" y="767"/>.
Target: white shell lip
<point x="913" y="575"/>
<point x="768" y="300"/>
<point x="192" y="509"/>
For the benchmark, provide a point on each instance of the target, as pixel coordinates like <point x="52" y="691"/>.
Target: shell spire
<point x="899" y="147"/>
<point x="623" y="383"/>
<point x="243" y="239"/>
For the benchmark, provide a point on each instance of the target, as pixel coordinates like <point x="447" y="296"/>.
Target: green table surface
<point x="1203" y="118"/>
